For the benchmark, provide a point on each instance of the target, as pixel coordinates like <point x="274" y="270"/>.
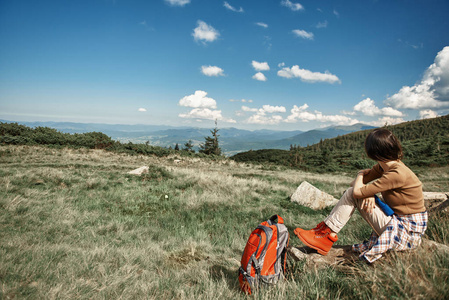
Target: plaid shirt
<point x="403" y="232"/>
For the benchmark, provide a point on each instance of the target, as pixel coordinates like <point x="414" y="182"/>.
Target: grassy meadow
<point x="75" y="225"/>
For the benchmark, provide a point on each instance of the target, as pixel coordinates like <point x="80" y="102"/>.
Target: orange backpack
<point x="264" y="258"/>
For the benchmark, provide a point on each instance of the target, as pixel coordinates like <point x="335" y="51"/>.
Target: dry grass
<point x="74" y="224"/>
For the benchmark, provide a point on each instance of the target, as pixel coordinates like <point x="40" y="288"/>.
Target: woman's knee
<point x="350" y="190"/>
<point x="349" y="193"/>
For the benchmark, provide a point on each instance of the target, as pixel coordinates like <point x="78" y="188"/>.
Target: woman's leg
<point x="344" y="209"/>
<point x="323" y="237"/>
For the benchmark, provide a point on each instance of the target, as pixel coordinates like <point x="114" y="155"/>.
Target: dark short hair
<point x="382" y="145"/>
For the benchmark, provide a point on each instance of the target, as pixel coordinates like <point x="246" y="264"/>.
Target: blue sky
<point x="251" y="64"/>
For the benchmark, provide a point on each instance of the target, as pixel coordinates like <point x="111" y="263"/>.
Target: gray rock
<point x="139" y="171"/>
<point x="435" y="196"/>
<point x="341" y="255"/>
<point x="308" y="195"/>
<point x="338" y="255"/>
<point x="436" y="202"/>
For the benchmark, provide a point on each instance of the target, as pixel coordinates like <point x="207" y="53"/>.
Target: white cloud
<point x="242" y="100"/>
<point x="259" y="76"/>
<point x="336" y="13"/>
<point x="300" y="113"/>
<point x="273" y="109"/>
<point x="203" y="113"/>
<point x="267" y="115"/>
<point x="368" y="108"/>
<point x="239" y="113"/>
<point x="262" y="24"/>
<point x="266" y="120"/>
<point x="427" y="114"/>
<point x="206" y="114"/>
<point x="230" y="7"/>
<point x="321" y="25"/>
<point x="260" y="66"/>
<point x="291" y="5"/>
<point x="264" y="115"/>
<point x="177" y="2"/>
<point x="348" y="113"/>
<point x="212" y="71"/>
<point x="205" y="33"/>
<point x="385" y="120"/>
<point x="142" y="109"/>
<point x="246" y="108"/>
<point x="204" y="108"/>
<point x="198" y="100"/>
<point x="391" y="112"/>
<point x="303" y="34"/>
<point x="431" y="92"/>
<point x="308" y="76"/>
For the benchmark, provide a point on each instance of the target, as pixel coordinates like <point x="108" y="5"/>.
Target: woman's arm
<point x="367" y="203"/>
<point x="357" y="184"/>
<point x="365" y="172"/>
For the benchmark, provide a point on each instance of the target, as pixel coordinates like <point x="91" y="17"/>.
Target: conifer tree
<point x="189" y="146"/>
<point x="211" y="145"/>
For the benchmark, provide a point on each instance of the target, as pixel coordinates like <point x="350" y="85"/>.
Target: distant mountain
<point x="109" y="129"/>
<point x="314" y="136"/>
<point x="301" y="139"/>
<point x="232" y="140"/>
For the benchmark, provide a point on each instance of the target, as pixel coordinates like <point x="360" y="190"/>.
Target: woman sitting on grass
<point x="401" y="190"/>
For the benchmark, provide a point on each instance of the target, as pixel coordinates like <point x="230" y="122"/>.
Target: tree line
<point x="17" y="134"/>
<point x="425" y="143"/>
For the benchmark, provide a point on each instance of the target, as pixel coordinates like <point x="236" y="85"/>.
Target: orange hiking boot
<point x="317" y="228"/>
<point x="321" y="238"/>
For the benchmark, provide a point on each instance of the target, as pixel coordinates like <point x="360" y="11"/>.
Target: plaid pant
<point x="403" y="232"/>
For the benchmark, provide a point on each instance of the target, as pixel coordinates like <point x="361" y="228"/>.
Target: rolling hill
<point x="232" y="140"/>
<point x="425" y="143"/>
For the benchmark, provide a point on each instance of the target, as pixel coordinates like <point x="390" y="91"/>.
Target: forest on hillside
<point x="425" y="143"/>
<point x="16" y="134"/>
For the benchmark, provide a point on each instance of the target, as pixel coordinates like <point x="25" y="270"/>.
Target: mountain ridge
<point x="232" y="140"/>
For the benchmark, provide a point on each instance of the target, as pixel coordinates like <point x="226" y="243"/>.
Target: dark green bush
<point x="361" y="164"/>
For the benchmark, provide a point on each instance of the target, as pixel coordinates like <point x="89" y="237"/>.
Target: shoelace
<point x="323" y="232"/>
<point x="319" y="226"/>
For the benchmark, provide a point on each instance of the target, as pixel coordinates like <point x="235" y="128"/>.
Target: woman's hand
<point x="357" y="184"/>
<point x="363" y="172"/>
<point x="368" y="204"/>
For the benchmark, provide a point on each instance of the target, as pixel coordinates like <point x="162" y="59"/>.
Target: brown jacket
<point x="399" y="186"/>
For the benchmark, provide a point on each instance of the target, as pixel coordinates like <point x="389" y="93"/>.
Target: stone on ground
<point x="341" y="256"/>
<point x="139" y="171"/>
<point x="308" y="195"/>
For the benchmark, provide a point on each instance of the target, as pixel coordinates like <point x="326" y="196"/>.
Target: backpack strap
<point x="256" y="266"/>
<point x="243" y="272"/>
<point x="256" y="263"/>
<point x="276" y="219"/>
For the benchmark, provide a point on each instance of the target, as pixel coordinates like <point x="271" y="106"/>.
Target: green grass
<point x="74" y="224"/>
